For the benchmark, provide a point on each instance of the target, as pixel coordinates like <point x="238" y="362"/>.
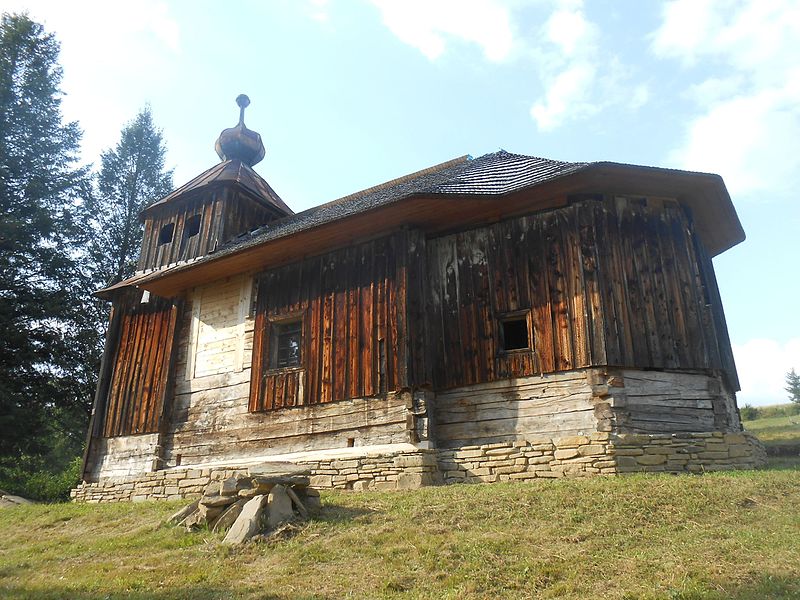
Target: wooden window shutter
<point x="260" y="348"/>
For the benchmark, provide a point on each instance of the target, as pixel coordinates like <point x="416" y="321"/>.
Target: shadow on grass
<point x="337" y="515"/>
<point x="783" y="463"/>
<point x="194" y="592"/>
<point x="772" y="587"/>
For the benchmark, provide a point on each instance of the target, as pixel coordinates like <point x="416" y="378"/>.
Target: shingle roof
<point x="492" y="174"/>
<point x="229" y="171"/>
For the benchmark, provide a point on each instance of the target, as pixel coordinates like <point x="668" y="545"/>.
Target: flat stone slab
<point x="280" y="507"/>
<point x="228" y="518"/>
<point x="285" y="469"/>
<point x="248" y="523"/>
<point x="271" y="480"/>
<point x="180" y="515"/>
<point x="217" y="500"/>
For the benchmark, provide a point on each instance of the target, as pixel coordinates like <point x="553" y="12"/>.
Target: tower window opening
<point x="166" y="233"/>
<point x="192" y="226"/>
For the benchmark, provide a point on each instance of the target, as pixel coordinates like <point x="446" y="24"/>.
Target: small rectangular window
<point x="166" y="233"/>
<point x="514" y="333"/>
<point x="286" y="344"/>
<point x="192" y="226"/>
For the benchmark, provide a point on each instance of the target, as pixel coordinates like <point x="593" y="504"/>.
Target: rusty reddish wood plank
<point x="162" y="361"/>
<point x="147" y="385"/>
<point x="575" y="289"/>
<point x="380" y="313"/>
<point x="392" y="335"/>
<point x="260" y="349"/>
<point x="367" y="316"/>
<point x="327" y="349"/>
<point x="354" y="368"/>
<point x="128" y="394"/>
<point x="339" y="328"/>
<point x="314" y="344"/>
<point x="116" y="373"/>
<point x="400" y="310"/>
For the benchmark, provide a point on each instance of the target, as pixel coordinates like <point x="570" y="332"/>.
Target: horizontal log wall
<point x="553" y="405"/>
<point x="663" y="402"/>
<point x="612" y="282"/>
<point x="121" y="456"/>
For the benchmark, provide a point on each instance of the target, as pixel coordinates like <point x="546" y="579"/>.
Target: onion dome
<point x="240" y="143"/>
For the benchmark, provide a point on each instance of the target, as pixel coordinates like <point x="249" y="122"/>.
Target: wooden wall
<point x="614" y="281"/>
<point x="225" y="213"/>
<point x="352" y="303"/>
<point x="664" y="402"/>
<point x="142" y="362"/>
<point x="210" y="418"/>
<point x="554" y="405"/>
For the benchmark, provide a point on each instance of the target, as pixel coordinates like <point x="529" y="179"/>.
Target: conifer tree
<point x="46" y="376"/>
<point x="793" y="386"/>
<point x="131" y="176"/>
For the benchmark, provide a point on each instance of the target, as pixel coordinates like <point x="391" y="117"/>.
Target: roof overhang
<point x="703" y="194"/>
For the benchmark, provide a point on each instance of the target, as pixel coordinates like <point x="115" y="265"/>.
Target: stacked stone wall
<point x="598" y="453"/>
<point x="601" y="453"/>
<point x="381" y="471"/>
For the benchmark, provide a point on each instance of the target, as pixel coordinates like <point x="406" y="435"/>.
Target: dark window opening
<point x="166" y="233"/>
<point x="192" y="226"/>
<point x="515" y="334"/>
<point x="285" y="345"/>
<point x="351" y="442"/>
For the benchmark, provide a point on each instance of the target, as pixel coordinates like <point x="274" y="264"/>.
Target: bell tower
<point x="226" y="201"/>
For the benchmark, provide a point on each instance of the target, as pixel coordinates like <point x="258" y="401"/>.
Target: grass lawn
<point x="721" y="535"/>
<point x="777" y="432"/>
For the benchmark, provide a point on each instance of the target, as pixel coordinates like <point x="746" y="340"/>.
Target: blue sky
<point x="349" y="93"/>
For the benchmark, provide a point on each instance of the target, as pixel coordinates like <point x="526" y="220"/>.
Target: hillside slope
<point x="731" y="535"/>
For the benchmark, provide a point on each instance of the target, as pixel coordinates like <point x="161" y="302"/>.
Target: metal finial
<point x="243" y="101"/>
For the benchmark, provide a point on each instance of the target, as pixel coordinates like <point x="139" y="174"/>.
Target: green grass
<point x="731" y="535"/>
<point x="779" y="432"/>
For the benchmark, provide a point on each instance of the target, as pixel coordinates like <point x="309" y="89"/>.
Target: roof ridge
<point x="404" y="179"/>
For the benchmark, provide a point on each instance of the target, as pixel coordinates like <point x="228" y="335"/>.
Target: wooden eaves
<point x="703" y="194"/>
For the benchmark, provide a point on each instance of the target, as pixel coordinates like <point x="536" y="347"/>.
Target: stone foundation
<point x="385" y="470"/>
<point x="597" y="453"/>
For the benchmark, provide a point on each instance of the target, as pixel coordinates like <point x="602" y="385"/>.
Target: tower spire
<point x="239" y="142"/>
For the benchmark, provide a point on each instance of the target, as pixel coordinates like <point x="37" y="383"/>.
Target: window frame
<point x="275" y="322"/>
<point x="517" y="315"/>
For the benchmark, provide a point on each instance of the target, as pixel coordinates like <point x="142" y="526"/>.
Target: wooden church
<point x="504" y="302"/>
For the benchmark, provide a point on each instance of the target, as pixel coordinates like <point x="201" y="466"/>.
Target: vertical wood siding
<point x="141" y="366"/>
<point x="352" y="303"/>
<point x="611" y="282"/>
<point x="224" y="214"/>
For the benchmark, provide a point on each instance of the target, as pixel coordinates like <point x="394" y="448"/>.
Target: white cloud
<point x="319" y="10"/>
<point x="748" y="119"/>
<point x="750" y="139"/>
<point x="430" y="26"/>
<point x="566" y="96"/>
<point x="578" y="78"/>
<point x="105" y="46"/>
<point x="762" y="366"/>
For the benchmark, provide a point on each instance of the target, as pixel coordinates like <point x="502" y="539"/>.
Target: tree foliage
<point x="47" y="369"/>
<point x="793" y="386"/>
<point x="131" y="176"/>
